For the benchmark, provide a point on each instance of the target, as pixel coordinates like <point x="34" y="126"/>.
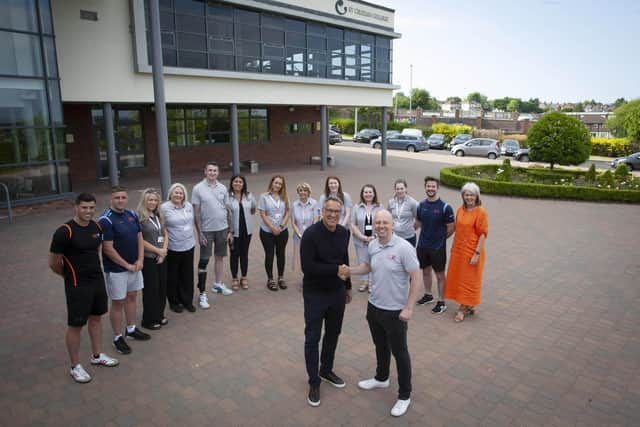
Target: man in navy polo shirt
<point x="122" y="259"/>
<point x="436" y="221"/>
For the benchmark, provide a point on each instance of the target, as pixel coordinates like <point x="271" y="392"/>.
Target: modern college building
<point x="255" y="76"/>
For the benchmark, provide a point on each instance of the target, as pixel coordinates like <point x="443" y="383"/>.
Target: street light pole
<point x="410" y="88"/>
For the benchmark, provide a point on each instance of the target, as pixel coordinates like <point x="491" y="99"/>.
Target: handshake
<point x="344" y="272"/>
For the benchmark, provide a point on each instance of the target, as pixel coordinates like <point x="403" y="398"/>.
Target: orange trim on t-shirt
<point x="73" y="271"/>
<point x="69" y="229"/>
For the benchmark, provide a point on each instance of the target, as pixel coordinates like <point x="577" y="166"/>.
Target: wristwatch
<point x="477" y="252"/>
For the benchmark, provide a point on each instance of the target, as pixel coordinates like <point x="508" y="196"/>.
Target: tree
<point x="559" y="139"/>
<point x="401" y="100"/>
<point x="513" y="105"/>
<point x="501" y="103"/>
<point x="421" y="98"/>
<point x="454" y="99"/>
<point x="530" y="106"/>
<point x="578" y="107"/>
<point x="618" y="102"/>
<point x="480" y="99"/>
<point x="626" y="121"/>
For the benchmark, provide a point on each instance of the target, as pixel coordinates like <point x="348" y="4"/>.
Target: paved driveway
<point x="555" y="341"/>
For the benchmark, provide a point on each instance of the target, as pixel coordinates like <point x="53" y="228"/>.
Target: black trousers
<point x="389" y="335"/>
<point x="274" y="244"/>
<point x="180" y="278"/>
<point x="240" y="252"/>
<point x="154" y="293"/>
<point x="319" y="307"/>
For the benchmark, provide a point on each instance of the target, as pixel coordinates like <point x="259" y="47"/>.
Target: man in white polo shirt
<point x="396" y="281"/>
<point x="210" y="200"/>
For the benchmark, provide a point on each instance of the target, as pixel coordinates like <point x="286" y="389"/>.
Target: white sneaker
<point x="400" y="407"/>
<point x="203" y="301"/>
<point x="221" y="288"/>
<point x="104" y="360"/>
<point x="79" y="374"/>
<point x="372" y="383"/>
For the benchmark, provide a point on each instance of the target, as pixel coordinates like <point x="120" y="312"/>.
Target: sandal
<point x="470" y="310"/>
<point x="459" y="316"/>
<point x="244" y="283"/>
<point x="363" y="287"/>
<point x="235" y="284"/>
<point x="282" y="284"/>
<point x="271" y="285"/>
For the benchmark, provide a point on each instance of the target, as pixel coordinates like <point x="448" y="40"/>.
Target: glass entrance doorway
<point x="129" y="138"/>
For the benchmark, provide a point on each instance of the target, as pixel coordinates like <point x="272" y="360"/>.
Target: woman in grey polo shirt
<point x="274" y="216"/>
<point x="333" y="187"/>
<point x="362" y="226"/>
<point x="404" y="210"/>
<point x="243" y="206"/>
<point x="178" y="216"/>
<point x="303" y="212"/>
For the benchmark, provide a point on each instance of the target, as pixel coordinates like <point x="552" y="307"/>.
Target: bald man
<point x="396" y="282"/>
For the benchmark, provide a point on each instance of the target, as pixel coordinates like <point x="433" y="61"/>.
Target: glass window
<point x="193" y="24"/>
<point x="272" y="51"/>
<point x="223" y="46"/>
<point x="253" y="125"/>
<point x="192" y="41"/>
<point x="23" y="102"/>
<point x="25" y="145"/>
<point x="247" y="32"/>
<point x="295" y="39"/>
<point x="274" y="37"/>
<point x="245" y="48"/>
<point x="295" y="25"/>
<point x="18" y="15"/>
<point x="246" y="17"/>
<point x="26" y="182"/>
<point x="273" y="66"/>
<point x="45" y="17"/>
<point x="220" y="11"/>
<point x="335" y="33"/>
<point x="220" y="29"/>
<point x="248" y="64"/>
<point x="192" y="59"/>
<point x="166" y="21"/>
<point x="221" y="62"/>
<point x="352" y="36"/>
<point x="191" y="7"/>
<point x="169" y="57"/>
<point x="60" y="147"/>
<point x="55" y="102"/>
<point x="20" y="54"/>
<point x="197" y="126"/>
<point x="315" y="42"/>
<point x="272" y="21"/>
<point x="316" y="29"/>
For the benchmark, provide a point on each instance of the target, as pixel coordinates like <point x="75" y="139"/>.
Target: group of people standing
<point x="153" y="249"/>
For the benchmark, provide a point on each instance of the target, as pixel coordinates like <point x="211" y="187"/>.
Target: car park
<point x="389" y="134"/>
<point x="632" y="161"/>
<point x="334" y="137"/>
<point x="521" y="155"/>
<point x="405" y="142"/>
<point x="509" y="146"/>
<point x="436" y="140"/>
<point x="483" y="147"/>
<point x="366" y="135"/>
<point x="460" y="139"/>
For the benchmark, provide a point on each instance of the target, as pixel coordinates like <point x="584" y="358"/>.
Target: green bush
<point x="457" y="177"/>
<point x="505" y="172"/>
<point x="611" y="147"/>
<point x="607" y="180"/>
<point x="622" y="172"/>
<point x="559" y="139"/>
<point x="450" y="131"/>
<point x="590" y="176"/>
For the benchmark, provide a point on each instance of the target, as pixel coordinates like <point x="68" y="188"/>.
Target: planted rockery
<point x="541" y="182"/>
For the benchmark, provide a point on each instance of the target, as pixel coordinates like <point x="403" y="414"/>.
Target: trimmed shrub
<point x="611" y="147"/>
<point x="607" y="180"/>
<point x="457" y="176"/>
<point x="622" y="172"/>
<point x="559" y="139"/>
<point x="505" y="172"/>
<point x="590" y="176"/>
<point x="450" y="131"/>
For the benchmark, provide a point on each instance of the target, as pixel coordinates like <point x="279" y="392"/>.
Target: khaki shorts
<point x="216" y="240"/>
<point x="119" y="284"/>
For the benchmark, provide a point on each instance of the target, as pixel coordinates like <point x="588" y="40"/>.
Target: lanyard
<point x="400" y="207"/>
<point x="157" y="225"/>
<point x="276" y="204"/>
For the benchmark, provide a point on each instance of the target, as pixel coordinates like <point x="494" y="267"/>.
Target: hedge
<point x="451" y="176"/>
<point x="613" y="147"/>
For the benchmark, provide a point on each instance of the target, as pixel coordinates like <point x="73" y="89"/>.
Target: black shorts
<point x="88" y="298"/>
<point x="435" y="259"/>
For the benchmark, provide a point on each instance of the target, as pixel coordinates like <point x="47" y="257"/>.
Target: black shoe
<point x="314" y="395"/>
<point x="426" y="299"/>
<point x="333" y="379"/>
<point x="176" y="308"/>
<point x="121" y="346"/>
<point x="152" y="326"/>
<point x="440" y="308"/>
<point x="137" y="334"/>
<point x="191" y="308"/>
<point x="164" y="321"/>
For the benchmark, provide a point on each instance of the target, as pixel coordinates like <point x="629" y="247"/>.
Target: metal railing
<point x="6" y="192"/>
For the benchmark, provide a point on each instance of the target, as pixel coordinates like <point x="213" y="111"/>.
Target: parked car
<point x="334" y="137"/>
<point x="412" y="131"/>
<point x="483" y="147"/>
<point x="436" y="140"/>
<point x="405" y="142"/>
<point x="632" y="161"/>
<point x="390" y="134"/>
<point x="522" y="155"/>
<point x="509" y="146"/>
<point x="460" y="138"/>
<point x="334" y="128"/>
<point x="366" y="135"/>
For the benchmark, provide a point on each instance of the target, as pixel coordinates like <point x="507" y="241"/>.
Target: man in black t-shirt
<point x="74" y="256"/>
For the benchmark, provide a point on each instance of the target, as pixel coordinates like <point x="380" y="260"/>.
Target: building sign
<point x="359" y="11"/>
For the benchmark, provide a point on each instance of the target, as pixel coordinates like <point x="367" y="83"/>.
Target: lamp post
<point x="410" y="89"/>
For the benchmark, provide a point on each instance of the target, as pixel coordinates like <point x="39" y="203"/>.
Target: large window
<point x="253" y="125"/>
<point x="33" y="158"/>
<point x="196" y="126"/>
<point x="218" y="36"/>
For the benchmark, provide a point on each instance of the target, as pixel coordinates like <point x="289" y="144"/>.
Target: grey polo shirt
<point x="179" y="223"/>
<point x="358" y="218"/>
<point x="152" y="233"/>
<point x="213" y="201"/>
<point x="303" y="214"/>
<point x="391" y="265"/>
<point x="404" y="214"/>
<point x="275" y="209"/>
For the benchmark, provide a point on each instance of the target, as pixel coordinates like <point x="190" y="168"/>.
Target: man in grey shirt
<point x="396" y="282"/>
<point x="210" y="200"/>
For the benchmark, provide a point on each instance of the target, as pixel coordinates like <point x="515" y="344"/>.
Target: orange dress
<point x="464" y="280"/>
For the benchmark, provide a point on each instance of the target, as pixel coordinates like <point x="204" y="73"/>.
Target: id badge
<point x="368" y="227"/>
<point x="160" y="239"/>
<point x="277" y="216"/>
<point x="187" y="227"/>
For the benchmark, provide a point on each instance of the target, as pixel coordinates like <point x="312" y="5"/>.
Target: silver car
<point x="483" y="147"/>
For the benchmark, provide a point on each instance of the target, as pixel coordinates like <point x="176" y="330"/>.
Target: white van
<point x="412" y="132"/>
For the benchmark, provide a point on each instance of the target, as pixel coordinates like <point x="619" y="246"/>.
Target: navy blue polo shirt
<point x="434" y="217"/>
<point x="122" y="229"/>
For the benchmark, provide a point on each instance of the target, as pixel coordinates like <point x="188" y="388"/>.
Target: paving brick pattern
<point x="555" y="341"/>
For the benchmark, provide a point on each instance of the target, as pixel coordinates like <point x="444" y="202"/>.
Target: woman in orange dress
<point x="464" y="276"/>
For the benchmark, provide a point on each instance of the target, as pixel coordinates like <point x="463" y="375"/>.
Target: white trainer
<point x="372" y="383"/>
<point x="203" y="301"/>
<point x="104" y="360"/>
<point x="221" y="288"/>
<point x="400" y="407"/>
<point x="79" y="374"/>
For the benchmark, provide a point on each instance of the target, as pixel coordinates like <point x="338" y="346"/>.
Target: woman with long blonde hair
<point x="274" y="216"/>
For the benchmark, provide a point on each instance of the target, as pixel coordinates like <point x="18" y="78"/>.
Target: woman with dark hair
<point x="362" y="227"/>
<point x="333" y="187"/>
<point x="154" y="270"/>
<point x="243" y="206"/>
<point x="464" y="276"/>
<point x="274" y="215"/>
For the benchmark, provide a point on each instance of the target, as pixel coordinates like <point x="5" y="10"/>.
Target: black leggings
<point x="180" y="278"/>
<point x="154" y="294"/>
<point x="240" y="251"/>
<point x="272" y="243"/>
